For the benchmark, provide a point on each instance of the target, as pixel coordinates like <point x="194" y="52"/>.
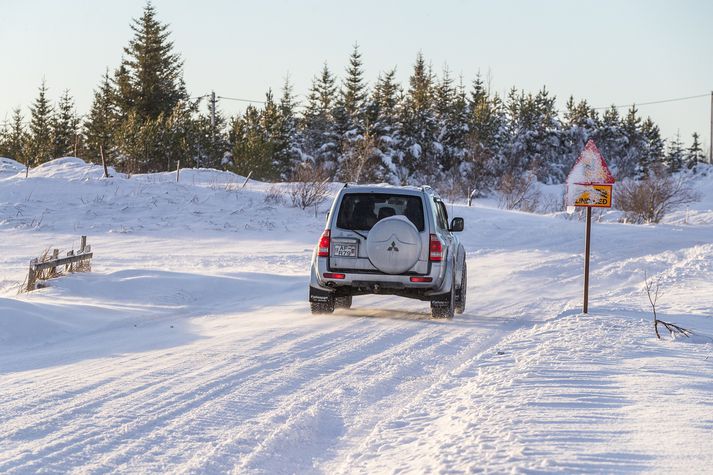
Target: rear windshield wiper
<point x="358" y="233"/>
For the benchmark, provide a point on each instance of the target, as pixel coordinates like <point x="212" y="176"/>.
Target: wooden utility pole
<point x="212" y="115"/>
<point x="101" y="153"/>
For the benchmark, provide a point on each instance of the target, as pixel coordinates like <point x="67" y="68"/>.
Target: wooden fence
<point x="36" y="267"/>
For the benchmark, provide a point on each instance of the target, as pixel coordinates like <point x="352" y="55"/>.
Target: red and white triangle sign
<point x="590" y="168"/>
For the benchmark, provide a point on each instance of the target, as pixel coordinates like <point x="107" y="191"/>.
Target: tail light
<point x="332" y="275"/>
<point x="323" y="247"/>
<point x="435" y="249"/>
<point x="421" y="279"/>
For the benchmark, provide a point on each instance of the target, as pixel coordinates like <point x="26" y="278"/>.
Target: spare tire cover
<point x="393" y="245"/>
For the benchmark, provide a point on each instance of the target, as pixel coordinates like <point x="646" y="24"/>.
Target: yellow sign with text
<point x="597" y="196"/>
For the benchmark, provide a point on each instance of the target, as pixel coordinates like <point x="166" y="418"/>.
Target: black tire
<point x="447" y="310"/>
<point x="343" y="302"/>
<point x="320" y="308"/>
<point x="462" y="291"/>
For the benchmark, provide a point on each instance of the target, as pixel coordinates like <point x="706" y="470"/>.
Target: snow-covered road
<point x="190" y="347"/>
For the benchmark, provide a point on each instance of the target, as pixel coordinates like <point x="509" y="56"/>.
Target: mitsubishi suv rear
<point x="394" y="240"/>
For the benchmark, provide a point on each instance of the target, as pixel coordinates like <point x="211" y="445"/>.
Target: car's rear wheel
<point x="319" y="308"/>
<point x="343" y="302"/>
<point x="462" y="291"/>
<point x="444" y="307"/>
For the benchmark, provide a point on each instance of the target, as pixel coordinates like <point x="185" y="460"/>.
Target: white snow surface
<point x="190" y="347"/>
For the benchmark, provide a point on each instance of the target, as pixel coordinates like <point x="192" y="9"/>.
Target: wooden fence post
<point x="55" y="255"/>
<point x="32" y="276"/>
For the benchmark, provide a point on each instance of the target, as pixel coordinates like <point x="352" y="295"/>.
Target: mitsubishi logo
<point x="393" y="247"/>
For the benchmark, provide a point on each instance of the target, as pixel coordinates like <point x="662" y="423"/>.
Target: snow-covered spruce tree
<point x="694" y="153"/>
<point x="611" y="140"/>
<point x="487" y="127"/>
<point x="534" y="136"/>
<point x="419" y="126"/>
<point x="100" y="125"/>
<point x="452" y="114"/>
<point x="352" y="99"/>
<point x="383" y="119"/>
<point x="675" y="154"/>
<point x="286" y="138"/>
<point x="321" y="139"/>
<point x="357" y="159"/>
<point x="210" y="140"/>
<point x="629" y="162"/>
<point x="581" y="122"/>
<point x="14" y="139"/>
<point x="65" y="128"/>
<point x="652" y="147"/>
<point x="40" y="146"/>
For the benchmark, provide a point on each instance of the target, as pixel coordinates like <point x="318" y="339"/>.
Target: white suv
<point x="393" y="240"/>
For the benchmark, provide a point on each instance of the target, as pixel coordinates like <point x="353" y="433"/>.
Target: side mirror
<point x="457" y="225"/>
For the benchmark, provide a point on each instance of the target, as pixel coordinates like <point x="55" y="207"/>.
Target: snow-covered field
<point x="190" y="347"/>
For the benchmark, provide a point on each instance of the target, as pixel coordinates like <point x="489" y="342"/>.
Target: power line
<point x="655" y="102"/>
<point x="240" y="100"/>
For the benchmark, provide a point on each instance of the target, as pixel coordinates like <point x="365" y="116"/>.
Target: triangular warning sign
<point x="590" y="168"/>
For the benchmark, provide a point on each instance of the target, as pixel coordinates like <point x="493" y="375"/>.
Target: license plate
<point x="344" y="250"/>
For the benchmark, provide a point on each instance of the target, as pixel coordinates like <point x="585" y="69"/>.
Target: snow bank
<point x="9" y="166"/>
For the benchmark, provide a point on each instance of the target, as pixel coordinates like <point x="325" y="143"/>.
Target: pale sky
<point x="604" y="51"/>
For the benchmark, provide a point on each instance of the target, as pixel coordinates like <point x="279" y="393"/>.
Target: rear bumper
<point x="356" y="283"/>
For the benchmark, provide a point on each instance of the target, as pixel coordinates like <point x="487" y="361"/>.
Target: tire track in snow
<point x="224" y="377"/>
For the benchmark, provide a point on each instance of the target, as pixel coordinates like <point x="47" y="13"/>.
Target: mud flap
<point x="319" y="295"/>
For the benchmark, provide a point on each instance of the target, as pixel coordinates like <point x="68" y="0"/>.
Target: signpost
<point x="589" y="185"/>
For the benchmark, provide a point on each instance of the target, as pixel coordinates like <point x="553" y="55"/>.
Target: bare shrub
<point x="310" y="186"/>
<point x="652" y="289"/>
<point x="552" y="204"/>
<point x="648" y="200"/>
<point x="275" y="196"/>
<point x="519" y="192"/>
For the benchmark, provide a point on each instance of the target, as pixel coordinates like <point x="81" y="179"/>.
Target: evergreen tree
<point x="349" y="114"/>
<point x="694" y="154"/>
<point x="453" y="116"/>
<point x="675" y="154"/>
<point x="252" y="151"/>
<point x="65" y="127"/>
<point x="353" y="94"/>
<point x="581" y="122"/>
<point x="287" y="138"/>
<point x="13" y="140"/>
<point x="385" y="128"/>
<point x="611" y="140"/>
<point x="321" y="138"/>
<point x="652" y="152"/>
<point x="102" y="120"/>
<point x="40" y="145"/>
<point x="486" y="125"/>
<point x="630" y="163"/>
<point x="419" y="125"/>
<point x="150" y="78"/>
<point x="210" y="141"/>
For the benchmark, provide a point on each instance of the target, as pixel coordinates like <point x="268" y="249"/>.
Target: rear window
<point x="361" y="211"/>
